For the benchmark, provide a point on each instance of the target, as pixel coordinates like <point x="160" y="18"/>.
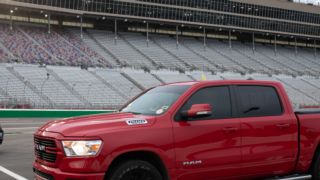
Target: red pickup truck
<point x="187" y="131"/>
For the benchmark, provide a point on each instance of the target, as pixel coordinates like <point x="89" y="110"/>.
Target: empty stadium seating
<point x="123" y="65"/>
<point x="184" y="53"/>
<point x="80" y="45"/>
<point x="95" y="47"/>
<point x="59" y="47"/>
<point x="91" y="89"/>
<point x="18" y="90"/>
<point x="20" y="46"/>
<point x="146" y="80"/>
<point x="219" y="61"/>
<point x="72" y="87"/>
<point x="33" y="44"/>
<point x="49" y="85"/>
<point x="120" y="49"/>
<point x="151" y="50"/>
<point x="119" y="82"/>
<point x="171" y="76"/>
<point x="198" y="75"/>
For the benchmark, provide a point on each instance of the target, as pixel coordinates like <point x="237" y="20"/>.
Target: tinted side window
<point x="258" y="101"/>
<point x="217" y="97"/>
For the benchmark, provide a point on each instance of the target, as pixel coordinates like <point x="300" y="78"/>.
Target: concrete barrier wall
<point x="47" y="113"/>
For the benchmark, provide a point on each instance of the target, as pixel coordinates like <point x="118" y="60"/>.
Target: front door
<point x="210" y="147"/>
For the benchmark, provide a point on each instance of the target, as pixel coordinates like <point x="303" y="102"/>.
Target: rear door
<point x="269" y="135"/>
<point x="208" y="148"/>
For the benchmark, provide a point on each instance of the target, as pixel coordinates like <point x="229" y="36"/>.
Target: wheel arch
<point x="314" y="158"/>
<point x="149" y="156"/>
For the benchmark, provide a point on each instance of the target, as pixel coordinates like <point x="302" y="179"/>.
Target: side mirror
<point x="198" y="110"/>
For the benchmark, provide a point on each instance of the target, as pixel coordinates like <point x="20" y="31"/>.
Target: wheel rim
<point x="138" y="174"/>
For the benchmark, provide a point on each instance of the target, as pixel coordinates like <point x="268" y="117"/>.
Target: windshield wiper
<point x="136" y="113"/>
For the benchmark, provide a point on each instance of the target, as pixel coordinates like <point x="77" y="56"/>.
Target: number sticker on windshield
<point x="159" y="111"/>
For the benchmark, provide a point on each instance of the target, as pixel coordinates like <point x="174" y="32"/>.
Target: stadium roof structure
<point x="277" y="17"/>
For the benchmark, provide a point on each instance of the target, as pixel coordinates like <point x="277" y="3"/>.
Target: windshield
<point x="156" y="101"/>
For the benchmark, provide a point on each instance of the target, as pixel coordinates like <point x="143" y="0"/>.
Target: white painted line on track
<point x="24" y="123"/>
<point x="18" y="133"/>
<point x="20" y="121"/>
<point x="12" y="174"/>
<point x="20" y="128"/>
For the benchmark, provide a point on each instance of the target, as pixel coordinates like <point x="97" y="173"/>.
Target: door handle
<point x="230" y="129"/>
<point x="283" y="126"/>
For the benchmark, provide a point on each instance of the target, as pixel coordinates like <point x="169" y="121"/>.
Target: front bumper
<point x="43" y="172"/>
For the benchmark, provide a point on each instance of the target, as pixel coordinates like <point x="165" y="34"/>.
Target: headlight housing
<point x="81" y="148"/>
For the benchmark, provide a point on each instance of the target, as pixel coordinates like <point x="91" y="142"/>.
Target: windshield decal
<point x="159" y="111"/>
<point x="165" y="107"/>
<point x="136" y="122"/>
<point x="162" y="110"/>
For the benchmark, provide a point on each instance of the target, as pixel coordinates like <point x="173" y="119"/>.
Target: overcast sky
<point x="316" y="2"/>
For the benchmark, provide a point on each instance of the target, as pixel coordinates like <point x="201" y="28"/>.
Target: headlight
<point x="81" y="148"/>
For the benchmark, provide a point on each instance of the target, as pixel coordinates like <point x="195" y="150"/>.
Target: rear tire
<point x="316" y="168"/>
<point x="135" y="170"/>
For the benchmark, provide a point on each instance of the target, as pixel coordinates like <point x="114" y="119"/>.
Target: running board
<point x="294" y="177"/>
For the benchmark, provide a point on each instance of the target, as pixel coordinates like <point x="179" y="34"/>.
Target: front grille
<point x="45" y="149"/>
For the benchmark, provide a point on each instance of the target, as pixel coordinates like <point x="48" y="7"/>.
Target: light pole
<point x="204" y="38"/>
<point x="229" y="37"/>
<point x="42" y="85"/>
<point x="177" y="36"/>
<point x="295" y="46"/>
<point x="89" y="88"/>
<point x="73" y="88"/>
<point x="41" y="91"/>
<point x="24" y="90"/>
<point x="58" y="95"/>
<point x="315" y="48"/>
<point x="11" y="23"/>
<point x="7" y="83"/>
<point x="275" y="44"/>
<point x="115" y="31"/>
<point x="48" y="16"/>
<point x="131" y="89"/>
<point x="147" y="34"/>
<point x="253" y="43"/>
<point x="81" y="25"/>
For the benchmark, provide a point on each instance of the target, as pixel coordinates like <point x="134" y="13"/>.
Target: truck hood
<point x="95" y="124"/>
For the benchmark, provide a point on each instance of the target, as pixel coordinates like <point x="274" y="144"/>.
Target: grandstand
<point x="75" y="55"/>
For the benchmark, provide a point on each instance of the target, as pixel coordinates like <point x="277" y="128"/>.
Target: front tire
<point x="316" y="168"/>
<point x="135" y="170"/>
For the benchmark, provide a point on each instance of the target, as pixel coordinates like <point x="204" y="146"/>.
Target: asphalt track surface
<point x="16" y="152"/>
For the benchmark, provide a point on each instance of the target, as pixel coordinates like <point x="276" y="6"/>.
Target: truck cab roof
<point x="230" y="82"/>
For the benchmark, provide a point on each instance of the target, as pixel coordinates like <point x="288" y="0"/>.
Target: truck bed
<point x="307" y="111"/>
<point x="309" y="136"/>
